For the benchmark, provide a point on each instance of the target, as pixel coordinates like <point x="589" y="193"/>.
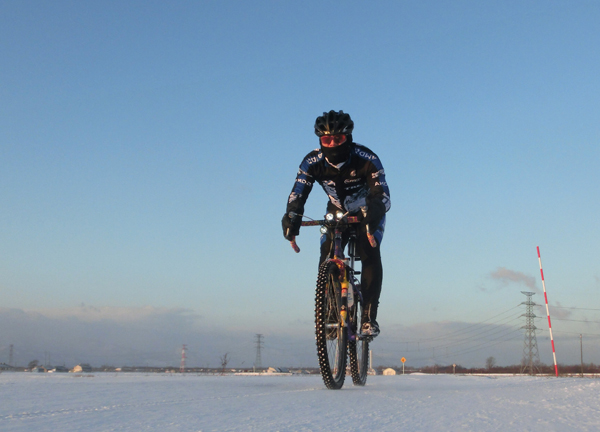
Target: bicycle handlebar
<point x="349" y="220"/>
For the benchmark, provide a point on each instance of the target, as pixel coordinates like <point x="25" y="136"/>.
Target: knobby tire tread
<point x="333" y="379"/>
<point x="358" y="350"/>
<point x="358" y="353"/>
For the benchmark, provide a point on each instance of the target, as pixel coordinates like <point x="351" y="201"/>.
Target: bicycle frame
<point x="348" y="285"/>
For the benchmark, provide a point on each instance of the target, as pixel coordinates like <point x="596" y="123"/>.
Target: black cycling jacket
<point x="347" y="185"/>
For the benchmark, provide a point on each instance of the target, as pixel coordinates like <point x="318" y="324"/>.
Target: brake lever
<point x="370" y="237"/>
<point x="293" y="243"/>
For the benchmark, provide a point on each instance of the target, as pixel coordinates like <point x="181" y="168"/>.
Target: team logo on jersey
<point x="303" y="181"/>
<point x="364" y="154"/>
<point x="378" y="173"/>
<point x="353" y="173"/>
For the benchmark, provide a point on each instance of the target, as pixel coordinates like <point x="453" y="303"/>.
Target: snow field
<point x="173" y="402"/>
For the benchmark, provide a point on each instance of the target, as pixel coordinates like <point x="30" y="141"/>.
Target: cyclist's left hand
<point x="291" y="226"/>
<point x="375" y="212"/>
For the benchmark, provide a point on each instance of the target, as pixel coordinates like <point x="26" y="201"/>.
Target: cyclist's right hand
<point x="291" y="226"/>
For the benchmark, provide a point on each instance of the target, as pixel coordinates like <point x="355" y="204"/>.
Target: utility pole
<point x="581" y="348"/>
<point x="10" y="355"/>
<point x="183" y="357"/>
<point x="531" y="355"/>
<point x="259" y="345"/>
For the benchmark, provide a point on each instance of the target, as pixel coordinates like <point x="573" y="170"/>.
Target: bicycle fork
<point x="343" y="281"/>
<point x="349" y="297"/>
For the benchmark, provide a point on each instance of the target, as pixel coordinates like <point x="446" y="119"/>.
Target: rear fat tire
<point x="358" y="350"/>
<point x="330" y="350"/>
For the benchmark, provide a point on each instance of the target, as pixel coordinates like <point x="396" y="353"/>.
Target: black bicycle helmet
<point x="333" y="123"/>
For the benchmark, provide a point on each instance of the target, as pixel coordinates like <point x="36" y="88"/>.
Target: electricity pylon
<point x="259" y="345"/>
<point x="531" y="355"/>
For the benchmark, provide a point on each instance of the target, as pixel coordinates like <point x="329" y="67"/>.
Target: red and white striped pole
<point x="547" y="311"/>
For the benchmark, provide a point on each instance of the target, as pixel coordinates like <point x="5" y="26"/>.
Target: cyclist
<point x="352" y="177"/>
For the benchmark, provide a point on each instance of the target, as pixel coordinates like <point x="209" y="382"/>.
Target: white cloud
<point x="88" y="313"/>
<point x="506" y="276"/>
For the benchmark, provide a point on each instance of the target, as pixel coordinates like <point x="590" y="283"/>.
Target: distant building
<point x="278" y="370"/>
<point x="6" y="367"/>
<point x="84" y="367"/>
<point x="389" y="371"/>
<point x="59" y="369"/>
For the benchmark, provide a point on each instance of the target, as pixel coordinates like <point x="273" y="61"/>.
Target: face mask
<point x="339" y="154"/>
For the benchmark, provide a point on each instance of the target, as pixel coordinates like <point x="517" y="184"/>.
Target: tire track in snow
<point x="83" y="410"/>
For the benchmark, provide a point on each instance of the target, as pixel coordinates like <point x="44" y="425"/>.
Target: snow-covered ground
<point x="173" y="402"/>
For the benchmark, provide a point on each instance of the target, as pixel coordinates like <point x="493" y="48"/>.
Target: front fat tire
<point x="330" y="350"/>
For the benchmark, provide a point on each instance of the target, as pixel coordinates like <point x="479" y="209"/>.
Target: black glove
<point x="291" y="226"/>
<point x="375" y="212"/>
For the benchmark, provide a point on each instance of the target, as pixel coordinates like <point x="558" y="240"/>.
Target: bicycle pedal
<point x="364" y="337"/>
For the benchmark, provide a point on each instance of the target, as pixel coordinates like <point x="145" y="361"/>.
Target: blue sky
<point x="147" y="150"/>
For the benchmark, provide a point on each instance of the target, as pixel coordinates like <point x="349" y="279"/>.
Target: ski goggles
<point x="333" y="140"/>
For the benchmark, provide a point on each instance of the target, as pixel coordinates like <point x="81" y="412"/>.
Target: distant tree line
<point x="588" y="368"/>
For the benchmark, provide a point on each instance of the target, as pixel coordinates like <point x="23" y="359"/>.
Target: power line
<point x="583" y="321"/>
<point x="578" y="333"/>
<point x="577" y="308"/>
<point x="486" y="333"/>
<point x="483" y="335"/>
<point x="464" y="329"/>
<point x="483" y="330"/>
<point x="503" y="332"/>
<point x="487" y="344"/>
<point x="465" y="335"/>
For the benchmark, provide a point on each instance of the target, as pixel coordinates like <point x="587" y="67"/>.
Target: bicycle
<point x="338" y="304"/>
